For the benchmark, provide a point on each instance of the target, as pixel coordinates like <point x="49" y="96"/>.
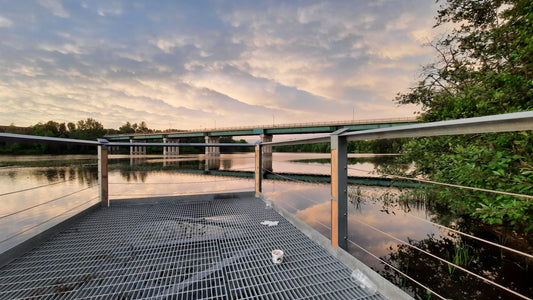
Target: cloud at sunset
<point x="190" y="64"/>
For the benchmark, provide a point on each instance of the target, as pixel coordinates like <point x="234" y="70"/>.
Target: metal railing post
<point x="339" y="195"/>
<point x="258" y="169"/>
<point x="102" y="175"/>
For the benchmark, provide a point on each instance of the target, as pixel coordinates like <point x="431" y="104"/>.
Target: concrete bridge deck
<point x="198" y="247"/>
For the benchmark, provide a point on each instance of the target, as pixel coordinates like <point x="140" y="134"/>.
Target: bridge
<point x="265" y="132"/>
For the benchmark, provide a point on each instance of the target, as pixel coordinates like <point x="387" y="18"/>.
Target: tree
<point x="142" y="128"/>
<point x="89" y="129"/>
<point x="484" y="67"/>
<point x="50" y="128"/>
<point x="126" y="128"/>
<point x="71" y="127"/>
<point x="62" y="130"/>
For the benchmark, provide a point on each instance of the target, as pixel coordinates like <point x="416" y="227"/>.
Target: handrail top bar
<point x="35" y="138"/>
<point x="518" y="121"/>
<point x="487" y="124"/>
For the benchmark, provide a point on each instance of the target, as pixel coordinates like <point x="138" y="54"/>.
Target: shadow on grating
<point x="196" y="250"/>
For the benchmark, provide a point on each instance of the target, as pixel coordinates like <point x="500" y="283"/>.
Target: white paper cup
<point x="277" y="256"/>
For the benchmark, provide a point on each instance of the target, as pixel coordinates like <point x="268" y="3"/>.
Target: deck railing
<point x="521" y="121"/>
<point x="513" y="122"/>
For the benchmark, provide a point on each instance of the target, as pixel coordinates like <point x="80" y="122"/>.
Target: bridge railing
<point x="280" y="125"/>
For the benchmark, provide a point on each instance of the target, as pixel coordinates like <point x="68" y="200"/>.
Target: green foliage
<point x="134" y="128"/>
<point x="484" y="67"/>
<point x="89" y="129"/>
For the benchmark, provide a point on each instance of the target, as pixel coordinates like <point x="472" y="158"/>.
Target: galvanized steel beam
<point x="103" y="182"/>
<point x="520" y="121"/>
<point x="258" y="170"/>
<point x="23" y="138"/>
<point x="339" y="196"/>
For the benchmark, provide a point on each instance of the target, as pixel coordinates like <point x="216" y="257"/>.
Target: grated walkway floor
<point x="212" y="249"/>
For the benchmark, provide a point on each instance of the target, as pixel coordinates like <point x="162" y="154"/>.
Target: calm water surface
<point x="35" y="198"/>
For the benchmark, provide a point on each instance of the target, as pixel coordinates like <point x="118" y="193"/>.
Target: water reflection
<point x="84" y="175"/>
<point x="212" y="161"/>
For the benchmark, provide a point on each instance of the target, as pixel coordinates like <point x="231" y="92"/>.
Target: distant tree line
<point x="89" y="129"/>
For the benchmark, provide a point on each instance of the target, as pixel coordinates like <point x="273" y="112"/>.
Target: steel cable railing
<point x="46" y="221"/>
<point x="301" y="196"/>
<point x="353" y="243"/>
<point x="452" y="264"/>
<point x="47" y="202"/>
<point x="457" y="231"/>
<point x="173" y="183"/>
<point x="473" y="237"/>
<point x="488" y="281"/>
<point x="36" y="187"/>
<point x="444" y="261"/>
<point x="297" y="209"/>
<point x="286" y="177"/>
<point x="462" y="187"/>
<point x="396" y="269"/>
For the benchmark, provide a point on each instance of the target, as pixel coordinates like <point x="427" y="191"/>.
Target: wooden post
<point x="102" y="175"/>
<point x="339" y="196"/>
<point x="258" y="170"/>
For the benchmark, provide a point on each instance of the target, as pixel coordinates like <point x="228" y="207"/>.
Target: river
<point x="38" y="192"/>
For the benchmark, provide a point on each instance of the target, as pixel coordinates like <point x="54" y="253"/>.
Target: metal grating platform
<point x="205" y="249"/>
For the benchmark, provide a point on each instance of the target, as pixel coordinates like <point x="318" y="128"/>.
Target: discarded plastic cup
<point x="277" y="256"/>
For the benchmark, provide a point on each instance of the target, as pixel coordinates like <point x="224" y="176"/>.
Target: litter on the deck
<point x="270" y="223"/>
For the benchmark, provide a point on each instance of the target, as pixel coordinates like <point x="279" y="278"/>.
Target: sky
<point x="204" y="64"/>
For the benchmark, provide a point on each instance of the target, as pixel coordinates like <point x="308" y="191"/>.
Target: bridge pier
<point x="171" y="150"/>
<point x="137" y="150"/>
<point x="113" y="149"/>
<point x="212" y="140"/>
